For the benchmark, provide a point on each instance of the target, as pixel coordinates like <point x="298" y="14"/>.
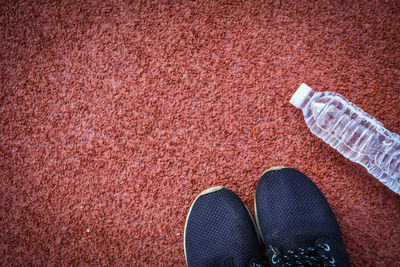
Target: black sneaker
<point x="220" y="231"/>
<point x="296" y="222"/>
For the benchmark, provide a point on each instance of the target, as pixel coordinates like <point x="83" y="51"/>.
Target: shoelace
<point x="303" y="257"/>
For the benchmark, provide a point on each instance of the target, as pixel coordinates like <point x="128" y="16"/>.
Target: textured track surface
<point x="115" y="115"/>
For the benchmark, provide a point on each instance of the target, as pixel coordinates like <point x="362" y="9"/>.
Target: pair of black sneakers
<point x="293" y="220"/>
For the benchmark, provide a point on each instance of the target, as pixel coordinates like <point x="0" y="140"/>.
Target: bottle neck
<point x="307" y="100"/>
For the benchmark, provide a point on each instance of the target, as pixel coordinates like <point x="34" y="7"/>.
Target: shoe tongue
<point x="303" y="241"/>
<point x="257" y="263"/>
<point x="229" y="262"/>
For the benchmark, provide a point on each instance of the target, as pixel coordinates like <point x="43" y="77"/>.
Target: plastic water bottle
<point x="355" y="134"/>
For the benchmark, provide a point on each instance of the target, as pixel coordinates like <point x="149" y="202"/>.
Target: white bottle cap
<point x="300" y="95"/>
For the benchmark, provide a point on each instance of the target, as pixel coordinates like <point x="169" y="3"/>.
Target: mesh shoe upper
<point x="292" y="212"/>
<point x="220" y="232"/>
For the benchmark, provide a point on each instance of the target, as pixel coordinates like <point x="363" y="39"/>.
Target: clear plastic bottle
<point x="355" y="134"/>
